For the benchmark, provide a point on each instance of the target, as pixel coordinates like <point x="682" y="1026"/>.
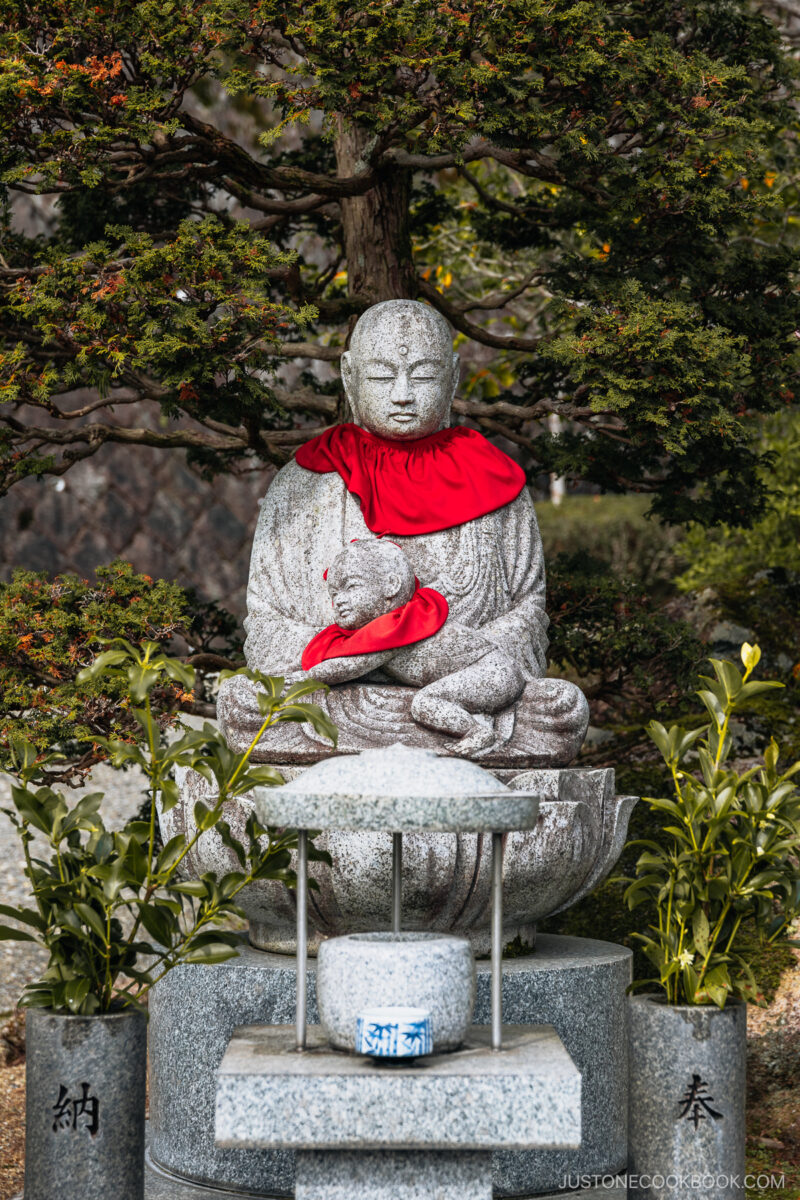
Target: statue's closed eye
<point x="391" y="378"/>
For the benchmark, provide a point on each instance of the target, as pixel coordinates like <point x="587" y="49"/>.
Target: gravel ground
<point x="21" y="961"/>
<point x="12" y="1130"/>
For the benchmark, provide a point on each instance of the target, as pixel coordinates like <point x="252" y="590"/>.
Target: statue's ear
<point x="456" y="375"/>
<point x="454" y="382"/>
<point x="393" y="584"/>
<point x="347" y="383"/>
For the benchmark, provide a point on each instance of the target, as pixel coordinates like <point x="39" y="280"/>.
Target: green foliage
<point x="193" y="313"/>
<point x="614" y="629"/>
<point x="50" y="629"/>
<point x="751" y="577"/>
<point x="670" y="380"/>
<point x="608" y="633"/>
<point x="114" y="911"/>
<point x="773" y="543"/>
<point x="603" y="194"/>
<point x="755" y="572"/>
<point x="727" y="853"/>
<point x="632" y="546"/>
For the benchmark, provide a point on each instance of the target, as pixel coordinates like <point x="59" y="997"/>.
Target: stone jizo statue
<point x="462" y="677"/>
<point x="458" y="509"/>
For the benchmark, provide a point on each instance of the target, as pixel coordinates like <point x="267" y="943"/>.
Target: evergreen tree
<point x="598" y="196"/>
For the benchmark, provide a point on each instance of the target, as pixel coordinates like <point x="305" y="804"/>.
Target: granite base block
<point x="528" y="1094"/>
<point x="393" y="1175"/>
<point x="160" y="1185"/>
<point x="575" y="984"/>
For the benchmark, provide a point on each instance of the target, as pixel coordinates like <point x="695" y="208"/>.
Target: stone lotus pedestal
<point x="577" y="840"/>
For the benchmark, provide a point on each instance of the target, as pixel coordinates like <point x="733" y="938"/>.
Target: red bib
<point x="423" y="615"/>
<point x="432" y="483"/>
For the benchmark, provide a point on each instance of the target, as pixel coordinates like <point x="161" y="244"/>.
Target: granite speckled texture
<point x="576" y="984"/>
<point x="687" y="1097"/>
<point x="161" y="1185"/>
<point x="393" y="1175"/>
<point x="193" y="1013"/>
<point x="576" y="840"/>
<point x="526" y="1095"/>
<point x="410" y="970"/>
<point x="84" y="1114"/>
<point x="398" y="789"/>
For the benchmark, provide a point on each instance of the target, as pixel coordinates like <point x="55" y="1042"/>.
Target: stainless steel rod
<point x="302" y="936"/>
<point x="497" y="941"/>
<point x="397" y="881"/>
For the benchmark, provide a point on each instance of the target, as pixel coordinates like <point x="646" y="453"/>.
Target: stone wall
<point x="142" y="505"/>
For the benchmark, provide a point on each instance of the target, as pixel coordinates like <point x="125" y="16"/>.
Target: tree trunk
<point x="377" y="242"/>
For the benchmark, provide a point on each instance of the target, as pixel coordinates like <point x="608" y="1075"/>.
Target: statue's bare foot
<point x="482" y="738"/>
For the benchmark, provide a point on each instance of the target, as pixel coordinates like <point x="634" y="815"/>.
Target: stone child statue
<point x="460" y="511"/>
<point x="459" y="674"/>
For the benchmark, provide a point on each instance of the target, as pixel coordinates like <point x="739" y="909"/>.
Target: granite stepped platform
<point x="340" y="1112"/>
<point x="575" y="984"/>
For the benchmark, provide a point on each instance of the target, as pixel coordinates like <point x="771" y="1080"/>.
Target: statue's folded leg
<point x="551" y="721"/>
<point x="548" y="726"/>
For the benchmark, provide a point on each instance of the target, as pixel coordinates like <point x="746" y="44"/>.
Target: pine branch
<point x="455" y="315"/>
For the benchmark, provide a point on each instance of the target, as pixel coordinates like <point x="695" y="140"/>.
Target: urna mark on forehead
<point x="395" y="323"/>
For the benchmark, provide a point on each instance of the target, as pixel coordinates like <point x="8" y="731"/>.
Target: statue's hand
<point x="345" y="669"/>
<point x="470" y="640"/>
<point x="297" y="677"/>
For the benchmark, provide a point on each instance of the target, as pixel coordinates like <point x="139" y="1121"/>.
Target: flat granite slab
<point x="526" y="1096"/>
<point x="374" y="813"/>
<point x="393" y="1175"/>
<point x="398" y="789"/>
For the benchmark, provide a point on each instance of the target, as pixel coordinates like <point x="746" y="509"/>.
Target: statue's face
<point x="400" y="380"/>
<point x="359" y="595"/>
<point x="366" y="580"/>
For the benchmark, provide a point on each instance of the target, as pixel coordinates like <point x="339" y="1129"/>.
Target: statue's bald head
<point x="400" y="321"/>
<point x="400" y="373"/>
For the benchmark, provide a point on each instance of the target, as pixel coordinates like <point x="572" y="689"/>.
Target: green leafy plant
<point x="52" y="627"/>
<point x="631" y="657"/>
<point x="114" y="913"/>
<point x="729" y="853"/>
<point x="751" y="577"/>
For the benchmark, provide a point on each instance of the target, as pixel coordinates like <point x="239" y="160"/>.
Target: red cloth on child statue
<point x="421" y="486"/>
<point x="423" y="615"/>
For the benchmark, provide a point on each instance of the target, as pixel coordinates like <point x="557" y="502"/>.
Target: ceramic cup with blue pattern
<point x="394" y="1032"/>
